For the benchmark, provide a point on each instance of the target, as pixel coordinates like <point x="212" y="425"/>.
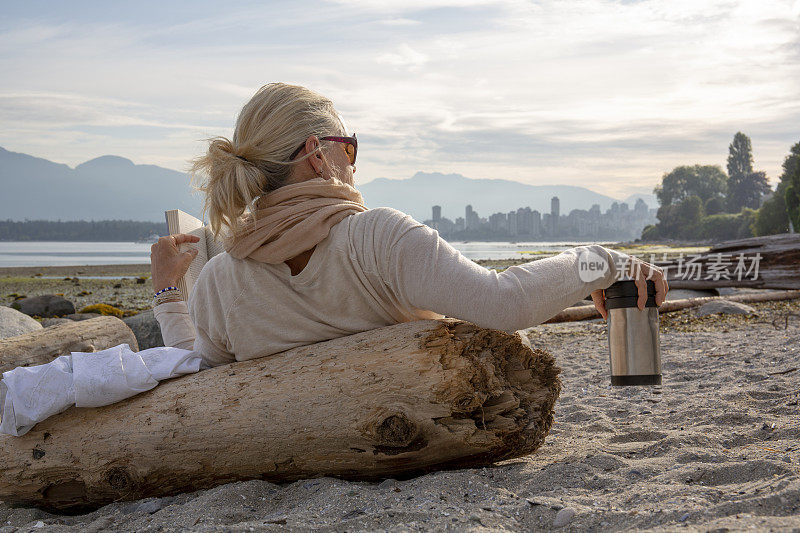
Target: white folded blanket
<point x="30" y="394"/>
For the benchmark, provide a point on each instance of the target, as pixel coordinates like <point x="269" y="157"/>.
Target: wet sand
<point x="132" y="270"/>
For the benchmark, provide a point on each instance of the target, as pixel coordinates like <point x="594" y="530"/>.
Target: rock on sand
<point x="724" y="306"/>
<point x="13" y="323"/>
<point x="146" y="329"/>
<point x="47" y="305"/>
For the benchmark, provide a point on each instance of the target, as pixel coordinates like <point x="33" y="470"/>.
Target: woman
<point x="306" y="261"/>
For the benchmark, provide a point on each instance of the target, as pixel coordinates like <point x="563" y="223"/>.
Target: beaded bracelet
<point x="165" y="289"/>
<point x="168" y="296"/>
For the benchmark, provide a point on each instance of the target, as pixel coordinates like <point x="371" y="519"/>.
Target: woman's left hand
<point x="640" y="271"/>
<point x="167" y="263"/>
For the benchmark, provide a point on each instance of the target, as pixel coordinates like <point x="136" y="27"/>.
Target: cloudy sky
<point x="603" y="94"/>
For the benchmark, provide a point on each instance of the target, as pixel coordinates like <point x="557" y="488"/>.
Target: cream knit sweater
<point x="375" y="268"/>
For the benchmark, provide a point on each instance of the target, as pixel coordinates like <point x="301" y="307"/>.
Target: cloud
<point x="589" y="92"/>
<point x="404" y="56"/>
<point x="398" y="22"/>
<point x="409" y="6"/>
<point x="239" y="91"/>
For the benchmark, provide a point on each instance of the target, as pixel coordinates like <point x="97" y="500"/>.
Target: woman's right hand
<point x="167" y="263"/>
<point x="640" y="272"/>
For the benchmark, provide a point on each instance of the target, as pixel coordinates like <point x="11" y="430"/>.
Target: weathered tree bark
<point x="587" y="312"/>
<point x="778" y="266"/>
<point x="395" y="401"/>
<point x="45" y="345"/>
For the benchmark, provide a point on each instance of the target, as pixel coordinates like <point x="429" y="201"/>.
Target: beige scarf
<point x="293" y="219"/>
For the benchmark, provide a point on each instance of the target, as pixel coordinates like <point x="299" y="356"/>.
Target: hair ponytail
<point x="276" y="120"/>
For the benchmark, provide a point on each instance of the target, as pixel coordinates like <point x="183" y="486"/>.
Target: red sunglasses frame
<point x="349" y="140"/>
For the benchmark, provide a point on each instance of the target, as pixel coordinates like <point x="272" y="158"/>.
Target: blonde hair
<point x="276" y="120"/>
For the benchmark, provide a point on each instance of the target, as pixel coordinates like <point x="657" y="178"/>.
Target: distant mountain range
<point x="108" y="187"/>
<point x="111" y="187"/>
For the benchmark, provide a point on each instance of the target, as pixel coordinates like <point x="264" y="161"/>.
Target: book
<point x="207" y="247"/>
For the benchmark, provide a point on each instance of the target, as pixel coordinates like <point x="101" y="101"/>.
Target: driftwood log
<point x="587" y="312"/>
<point x="391" y="402"/>
<point x="778" y="265"/>
<point x="44" y="345"/>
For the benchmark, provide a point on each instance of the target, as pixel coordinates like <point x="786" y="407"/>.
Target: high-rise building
<point x="512" y="223"/>
<point x="524" y="220"/>
<point x="498" y="222"/>
<point x="555" y="207"/>
<point x="471" y="218"/>
<point x="437" y="213"/>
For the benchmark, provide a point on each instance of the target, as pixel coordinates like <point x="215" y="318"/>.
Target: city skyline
<point x="619" y="221"/>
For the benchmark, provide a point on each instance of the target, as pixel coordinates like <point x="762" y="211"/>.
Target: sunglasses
<point x="350" y="146"/>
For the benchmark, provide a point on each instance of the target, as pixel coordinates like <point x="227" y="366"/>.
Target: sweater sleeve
<point x="177" y="329"/>
<point x="424" y="271"/>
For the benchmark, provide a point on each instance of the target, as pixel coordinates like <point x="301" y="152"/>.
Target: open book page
<point x="214" y="246"/>
<point x="181" y="222"/>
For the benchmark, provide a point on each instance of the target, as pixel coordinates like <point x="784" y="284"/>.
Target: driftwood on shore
<point x="44" y="345"/>
<point x="390" y="402"/>
<point x="778" y="263"/>
<point x="587" y="312"/>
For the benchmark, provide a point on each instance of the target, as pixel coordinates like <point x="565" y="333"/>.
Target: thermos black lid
<point x="625" y="294"/>
<point x="627" y="287"/>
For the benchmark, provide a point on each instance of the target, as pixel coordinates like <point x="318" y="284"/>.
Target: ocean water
<point x="43" y="253"/>
<point x="511" y="250"/>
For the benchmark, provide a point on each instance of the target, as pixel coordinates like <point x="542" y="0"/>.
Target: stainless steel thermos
<point x="633" y="342"/>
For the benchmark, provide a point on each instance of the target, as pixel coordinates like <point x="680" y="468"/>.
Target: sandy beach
<point x="716" y="447"/>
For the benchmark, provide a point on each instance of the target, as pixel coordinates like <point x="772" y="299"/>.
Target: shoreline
<point x="134" y="270"/>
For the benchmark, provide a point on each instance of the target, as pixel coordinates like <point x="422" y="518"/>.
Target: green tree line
<point x="702" y="202"/>
<point x="80" y="230"/>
